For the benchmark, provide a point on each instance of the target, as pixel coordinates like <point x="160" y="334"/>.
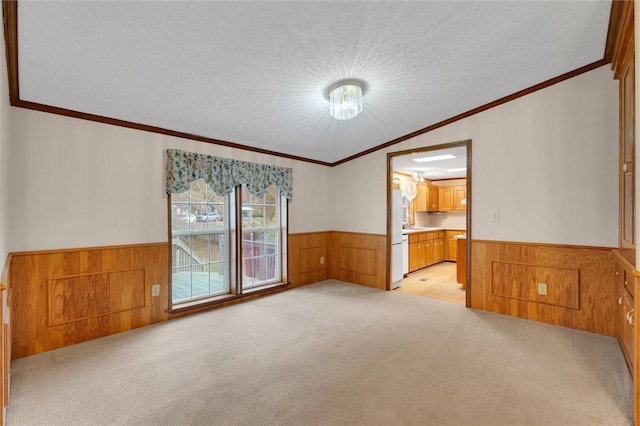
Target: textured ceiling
<point x="255" y="73"/>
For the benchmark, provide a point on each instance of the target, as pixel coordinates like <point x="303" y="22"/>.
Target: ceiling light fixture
<point x="434" y="158"/>
<point x="417" y="176"/>
<point x="345" y="99"/>
<point x="461" y="169"/>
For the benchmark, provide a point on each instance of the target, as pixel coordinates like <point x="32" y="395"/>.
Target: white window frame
<point x="232" y="232"/>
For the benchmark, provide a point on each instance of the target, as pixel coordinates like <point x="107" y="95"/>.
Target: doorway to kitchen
<point x="429" y="221"/>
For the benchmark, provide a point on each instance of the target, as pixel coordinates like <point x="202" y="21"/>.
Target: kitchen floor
<point x="437" y="281"/>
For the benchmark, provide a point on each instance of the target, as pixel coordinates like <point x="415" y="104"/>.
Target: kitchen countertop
<point x="431" y="228"/>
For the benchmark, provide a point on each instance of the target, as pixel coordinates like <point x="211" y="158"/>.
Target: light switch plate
<point x="495" y="215"/>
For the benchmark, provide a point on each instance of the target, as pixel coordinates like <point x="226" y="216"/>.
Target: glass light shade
<point x="345" y="102"/>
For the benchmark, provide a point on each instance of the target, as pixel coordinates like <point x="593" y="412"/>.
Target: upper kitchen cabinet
<point x="460" y="197"/>
<point x="453" y="197"/>
<point x="420" y="202"/>
<point x="426" y="199"/>
<point x="446" y="198"/>
<point x="433" y="202"/>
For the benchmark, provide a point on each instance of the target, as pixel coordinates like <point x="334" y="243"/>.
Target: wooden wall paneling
<point x="154" y="259"/>
<point x="594" y="268"/>
<point x="520" y="281"/>
<point x="63" y="297"/>
<point x="77" y="297"/>
<point x="6" y="346"/>
<point x="359" y="258"/>
<point x="24" y="305"/>
<point x="305" y="253"/>
<point x="69" y="296"/>
<point x="5" y="339"/>
<point x="636" y="353"/>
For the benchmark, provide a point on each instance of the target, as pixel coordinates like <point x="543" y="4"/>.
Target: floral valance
<point x="224" y="174"/>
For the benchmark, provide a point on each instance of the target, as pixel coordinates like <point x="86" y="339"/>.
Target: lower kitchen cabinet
<point x="450" y="249"/>
<point x="429" y="257"/>
<point x="425" y="249"/>
<point x="438" y="250"/>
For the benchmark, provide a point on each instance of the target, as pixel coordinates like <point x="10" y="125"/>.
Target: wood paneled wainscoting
<point x="5" y="340"/>
<point x="64" y="297"/>
<point x="580" y="286"/>
<point x="352" y="257"/>
<point x="359" y="258"/>
<point x="309" y="257"/>
<point x="67" y="296"/>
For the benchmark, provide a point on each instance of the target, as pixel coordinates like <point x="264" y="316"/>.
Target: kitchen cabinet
<point x="450" y="248"/>
<point x="420" y="202"/>
<point x="426" y="198"/>
<point x="417" y="252"/>
<point x="433" y="202"/>
<point x="425" y="249"/>
<point x="414" y="263"/>
<point x="445" y="194"/>
<point x="417" y="256"/>
<point x="429" y="257"/>
<point x="452" y="197"/>
<point x="460" y="197"/>
<point x="438" y="250"/>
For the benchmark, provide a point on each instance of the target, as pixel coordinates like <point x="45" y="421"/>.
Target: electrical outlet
<point x="155" y="290"/>
<point x="542" y="289"/>
<point x="322" y="260"/>
<point x="495" y="215"/>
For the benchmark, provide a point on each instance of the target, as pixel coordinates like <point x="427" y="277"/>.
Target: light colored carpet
<point x="330" y="353"/>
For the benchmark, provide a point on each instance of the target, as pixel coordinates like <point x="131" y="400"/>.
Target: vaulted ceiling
<point x="256" y="73"/>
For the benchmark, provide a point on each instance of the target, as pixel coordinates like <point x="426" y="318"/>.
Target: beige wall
<point x="4" y="159"/>
<point x="547" y="161"/>
<point x="77" y="183"/>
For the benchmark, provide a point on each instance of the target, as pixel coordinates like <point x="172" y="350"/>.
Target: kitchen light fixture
<point x="434" y="158"/>
<point x="345" y="99"/>
<point x="461" y="169"/>
<point x="417" y="176"/>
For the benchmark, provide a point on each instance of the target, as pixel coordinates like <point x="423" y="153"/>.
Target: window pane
<point x="216" y="247"/>
<point x="270" y="216"/>
<point x="181" y="252"/>
<point x="180" y="216"/>
<point x="202" y="240"/>
<point x="198" y="252"/>
<point x="246" y="195"/>
<point x="270" y="265"/>
<point x="182" y="197"/>
<point x="258" y="219"/>
<point x="260" y="238"/>
<point x="198" y="191"/>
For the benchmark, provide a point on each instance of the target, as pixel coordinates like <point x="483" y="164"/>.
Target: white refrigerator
<point x="396" y="238"/>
